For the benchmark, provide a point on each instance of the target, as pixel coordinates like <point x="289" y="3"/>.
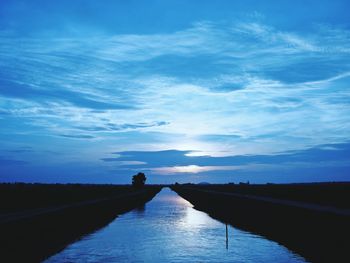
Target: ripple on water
<point x="168" y="229"/>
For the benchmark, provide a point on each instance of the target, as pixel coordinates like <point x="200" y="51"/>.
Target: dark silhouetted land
<point x="39" y="220"/>
<point x="310" y="219"/>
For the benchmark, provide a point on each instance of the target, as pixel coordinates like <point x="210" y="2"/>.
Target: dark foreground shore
<point x="311" y="219"/>
<point x="37" y="220"/>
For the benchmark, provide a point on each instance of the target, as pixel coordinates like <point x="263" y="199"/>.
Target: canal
<point x="169" y="229"/>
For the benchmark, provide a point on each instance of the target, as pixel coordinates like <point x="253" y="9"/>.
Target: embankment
<point x="317" y="232"/>
<point x="34" y="234"/>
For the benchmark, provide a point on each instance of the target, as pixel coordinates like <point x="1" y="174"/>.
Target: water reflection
<point x="139" y="211"/>
<point x="168" y="229"/>
<point x="226" y="237"/>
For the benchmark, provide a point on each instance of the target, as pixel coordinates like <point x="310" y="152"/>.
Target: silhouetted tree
<point x="138" y="180"/>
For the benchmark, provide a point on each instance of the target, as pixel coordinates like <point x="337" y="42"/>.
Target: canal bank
<point x="320" y="234"/>
<point x="33" y="235"/>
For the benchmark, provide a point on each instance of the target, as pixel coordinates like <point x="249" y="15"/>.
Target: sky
<point x="184" y="91"/>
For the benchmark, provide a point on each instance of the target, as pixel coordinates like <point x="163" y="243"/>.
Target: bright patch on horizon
<point x="192" y="169"/>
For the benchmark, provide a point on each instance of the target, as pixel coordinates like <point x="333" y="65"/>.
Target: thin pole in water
<point x="226" y="237"/>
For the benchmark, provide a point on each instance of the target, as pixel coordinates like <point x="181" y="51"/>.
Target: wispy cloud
<point x="117" y="162"/>
<point x="11" y="162"/>
<point x="213" y="89"/>
<point x="77" y="136"/>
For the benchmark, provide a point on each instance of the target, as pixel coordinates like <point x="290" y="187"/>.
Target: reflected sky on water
<point x="168" y="229"/>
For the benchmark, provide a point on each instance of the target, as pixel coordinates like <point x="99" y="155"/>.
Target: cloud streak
<point x="210" y="88"/>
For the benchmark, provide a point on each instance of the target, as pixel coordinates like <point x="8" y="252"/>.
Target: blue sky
<point x="187" y="91"/>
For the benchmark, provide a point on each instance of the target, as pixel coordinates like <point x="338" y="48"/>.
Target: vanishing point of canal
<point x="169" y="229"/>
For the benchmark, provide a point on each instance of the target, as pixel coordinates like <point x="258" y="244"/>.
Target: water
<point x="168" y="229"/>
